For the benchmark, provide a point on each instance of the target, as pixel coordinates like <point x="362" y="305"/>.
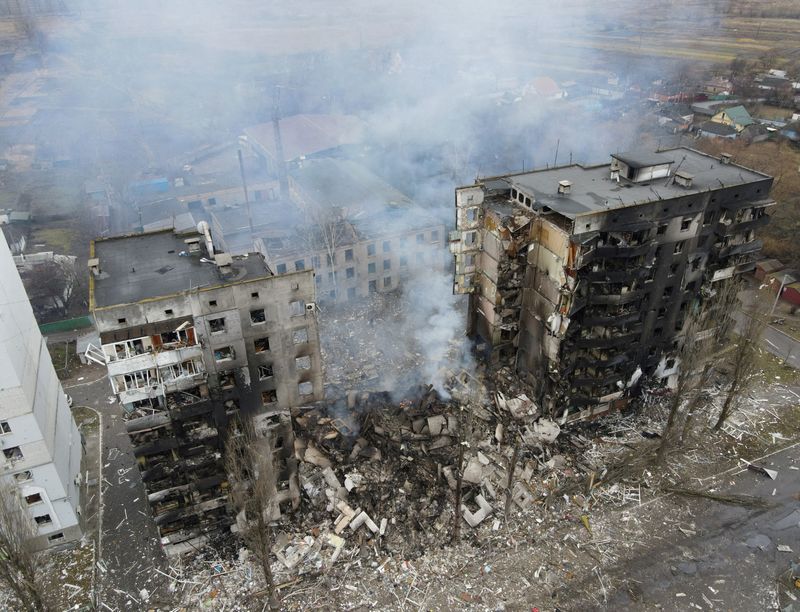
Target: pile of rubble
<point x="371" y="358"/>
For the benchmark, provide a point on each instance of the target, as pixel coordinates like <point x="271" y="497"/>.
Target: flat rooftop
<point x="593" y="190"/>
<point x="136" y="267"/>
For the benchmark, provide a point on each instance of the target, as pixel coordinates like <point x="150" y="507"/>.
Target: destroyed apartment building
<point x="194" y="338"/>
<point x="581" y="277"/>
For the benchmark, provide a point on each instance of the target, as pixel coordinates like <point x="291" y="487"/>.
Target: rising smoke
<point x="444" y="87"/>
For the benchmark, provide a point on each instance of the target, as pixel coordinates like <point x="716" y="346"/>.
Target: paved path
<point x="129" y="545"/>
<point x="776" y="342"/>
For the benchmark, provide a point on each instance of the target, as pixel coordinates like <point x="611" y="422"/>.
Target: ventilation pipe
<point x="203" y="228"/>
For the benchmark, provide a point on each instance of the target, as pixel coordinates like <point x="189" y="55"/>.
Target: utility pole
<point x="780" y="291"/>
<point x="283" y="179"/>
<point x="246" y="196"/>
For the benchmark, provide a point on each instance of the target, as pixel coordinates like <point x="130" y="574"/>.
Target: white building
<point x="40" y="443"/>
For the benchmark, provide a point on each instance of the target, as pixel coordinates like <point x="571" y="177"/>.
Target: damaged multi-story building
<point x="581" y="277"/>
<point x="358" y="233"/>
<point x="195" y="340"/>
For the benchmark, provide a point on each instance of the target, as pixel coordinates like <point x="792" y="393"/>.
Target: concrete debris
<point x="773" y="474"/>
<point x="476" y="518"/>
<point x="520" y="407"/>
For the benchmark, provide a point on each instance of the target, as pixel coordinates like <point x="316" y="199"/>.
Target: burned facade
<point x="194" y="339"/>
<point x="582" y="276"/>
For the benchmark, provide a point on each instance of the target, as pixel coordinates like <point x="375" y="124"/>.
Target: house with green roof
<point x="736" y="117"/>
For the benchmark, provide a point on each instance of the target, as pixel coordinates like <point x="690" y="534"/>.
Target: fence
<point x="66" y="325"/>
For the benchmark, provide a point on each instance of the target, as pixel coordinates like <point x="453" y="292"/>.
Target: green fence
<point x="66" y="325"/>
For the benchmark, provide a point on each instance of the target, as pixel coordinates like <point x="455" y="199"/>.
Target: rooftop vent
<point x="224" y="261"/>
<point x="193" y="244"/>
<point x="564" y="187"/>
<point x="725" y="158"/>
<point x="684" y="179"/>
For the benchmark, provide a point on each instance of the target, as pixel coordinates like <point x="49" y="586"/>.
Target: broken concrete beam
<point x="343" y="520"/>
<point x="364" y="519"/>
<point x="337" y="543"/>
<point x="440" y="442"/>
<point x="451" y="479"/>
<point x="436" y="424"/>
<point x="473" y="473"/>
<point x="476" y="518"/>
<point x="316" y="457"/>
<point x="544" y="431"/>
<point x="384" y="524"/>
<point x="522" y="496"/>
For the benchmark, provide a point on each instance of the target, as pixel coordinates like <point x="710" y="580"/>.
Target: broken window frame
<point x="23" y="476"/>
<point x="302" y="363"/>
<point x="33" y="499"/>
<point x="42" y="520"/>
<point x="305" y="388"/>
<point x="224" y="353"/>
<point x="269" y="397"/>
<point x="261" y="345"/>
<point x="258" y="316"/>
<point x="297" y="308"/>
<point x="265" y="371"/>
<point x="5" y="428"/>
<point x="216" y="325"/>
<point x="227" y="379"/>
<point x="13" y="454"/>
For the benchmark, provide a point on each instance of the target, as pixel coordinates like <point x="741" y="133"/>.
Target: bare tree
<point x="52" y="284"/>
<point x="719" y="323"/>
<point x="19" y="562"/>
<point x="692" y="353"/>
<point x="251" y="471"/>
<point x="707" y="325"/>
<point x="751" y="326"/>
<point x="326" y="230"/>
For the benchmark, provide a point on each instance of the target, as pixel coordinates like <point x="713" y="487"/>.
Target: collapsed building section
<point x="582" y="277"/>
<point x="196" y="341"/>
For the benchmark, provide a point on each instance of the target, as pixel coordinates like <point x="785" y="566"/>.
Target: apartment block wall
<point x="372" y="265"/>
<point x="604" y="294"/>
<point x="41" y="444"/>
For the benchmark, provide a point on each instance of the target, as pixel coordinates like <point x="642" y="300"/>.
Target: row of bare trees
<point x="714" y="329"/>
<point x="20" y="563"/>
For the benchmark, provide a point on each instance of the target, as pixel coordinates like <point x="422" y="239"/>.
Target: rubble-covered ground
<point x="377" y="527"/>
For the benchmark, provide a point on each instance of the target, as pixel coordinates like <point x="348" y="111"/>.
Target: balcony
<point x="616" y="276"/>
<point x="615" y="252"/>
<point x="617" y="298"/>
<point x="730" y="227"/>
<point x="741" y="249"/>
<point x="178" y="355"/>
<point x="611" y="320"/>
<point x="610" y="341"/>
<point x="608" y="378"/>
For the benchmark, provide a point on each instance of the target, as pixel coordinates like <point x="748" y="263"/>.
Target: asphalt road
<point x="129" y="547"/>
<point x="732" y="561"/>
<point x="776" y="342"/>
